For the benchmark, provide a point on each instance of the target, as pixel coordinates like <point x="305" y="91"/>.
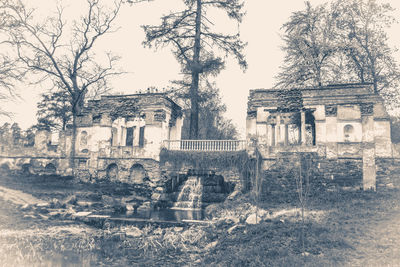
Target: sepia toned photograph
<point x="199" y="133"/>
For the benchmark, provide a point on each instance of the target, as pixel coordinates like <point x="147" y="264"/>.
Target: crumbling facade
<point x="117" y="138"/>
<point x="339" y="122"/>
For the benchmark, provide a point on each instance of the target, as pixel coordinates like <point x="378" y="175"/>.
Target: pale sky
<point x="147" y="67"/>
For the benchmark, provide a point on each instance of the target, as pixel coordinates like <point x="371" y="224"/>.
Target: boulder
<point x="160" y="190"/>
<point x="107" y="200"/>
<point x="145" y="206"/>
<point x="178" y="229"/>
<point x="55" y="203"/>
<point x="234" y="195"/>
<point x="82" y="214"/>
<point x="70" y="200"/>
<point x="84" y="203"/>
<point x="233" y="228"/>
<point x="26" y="207"/>
<point x="211" y="245"/>
<point x="134" y="232"/>
<point x="253" y="219"/>
<point x="156" y="196"/>
<point x="158" y="231"/>
<point x="211" y="210"/>
<point x="43" y="205"/>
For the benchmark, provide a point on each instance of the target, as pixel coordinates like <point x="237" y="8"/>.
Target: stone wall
<point x="345" y="172"/>
<point x="387" y="173"/>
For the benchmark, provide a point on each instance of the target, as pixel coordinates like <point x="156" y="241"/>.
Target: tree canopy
<point x="197" y="46"/>
<point x="341" y="42"/>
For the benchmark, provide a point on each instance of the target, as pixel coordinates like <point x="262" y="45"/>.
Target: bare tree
<point x="65" y="56"/>
<point x="195" y="44"/>
<point x="308" y="45"/>
<point x="362" y="27"/>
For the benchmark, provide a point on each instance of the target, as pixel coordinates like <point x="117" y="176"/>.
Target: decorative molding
<point x="367" y="109"/>
<point x="252" y="114"/>
<point x="331" y="110"/>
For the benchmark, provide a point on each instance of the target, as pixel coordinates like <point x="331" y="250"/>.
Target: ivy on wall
<point x="241" y="160"/>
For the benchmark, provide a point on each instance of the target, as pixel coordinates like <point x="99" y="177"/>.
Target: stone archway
<point x="137" y="173"/>
<point x="26" y="169"/>
<point x="50" y="169"/>
<point x="4" y="168"/>
<point x="112" y="172"/>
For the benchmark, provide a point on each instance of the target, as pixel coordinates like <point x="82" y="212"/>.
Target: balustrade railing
<point x="205" y="145"/>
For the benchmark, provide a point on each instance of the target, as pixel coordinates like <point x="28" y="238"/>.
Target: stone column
<point x="368" y="148"/>
<point x="303" y="127"/>
<point x="269" y="135"/>
<point x="273" y="135"/>
<point x="278" y="129"/>
<point x="286" y="134"/>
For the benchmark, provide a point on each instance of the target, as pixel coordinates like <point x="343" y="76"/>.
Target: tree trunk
<point x="196" y="69"/>
<point x="73" y="142"/>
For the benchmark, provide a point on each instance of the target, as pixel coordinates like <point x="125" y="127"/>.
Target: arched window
<point x="83" y="141"/>
<point x="114" y="136"/>
<point x="348" y="132"/>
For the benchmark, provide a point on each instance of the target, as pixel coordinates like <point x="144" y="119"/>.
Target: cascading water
<point x="191" y="194"/>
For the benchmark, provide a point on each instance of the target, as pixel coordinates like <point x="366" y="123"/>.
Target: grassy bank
<point x="341" y="228"/>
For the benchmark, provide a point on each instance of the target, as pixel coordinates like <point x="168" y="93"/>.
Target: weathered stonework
<point x="348" y="121"/>
<point x="117" y="138"/>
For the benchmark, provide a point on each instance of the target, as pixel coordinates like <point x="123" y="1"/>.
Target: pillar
<point x="278" y="129"/>
<point x="286" y="134"/>
<point x="273" y="135"/>
<point x="303" y="127"/>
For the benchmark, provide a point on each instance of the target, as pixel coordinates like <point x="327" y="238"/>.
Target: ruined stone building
<point x="345" y="124"/>
<point x="118" y="137"/>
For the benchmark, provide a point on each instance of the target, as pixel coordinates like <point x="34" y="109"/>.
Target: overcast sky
<point x="147" y="67"/>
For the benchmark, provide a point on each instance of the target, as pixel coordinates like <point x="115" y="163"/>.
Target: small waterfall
<point x="191" y="194"/>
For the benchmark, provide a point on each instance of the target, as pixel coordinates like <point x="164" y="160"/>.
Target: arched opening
<point x="50" y="169"/>
<point x="138" y="173"/>
<point x="112" y="172"/>
<point x="4" y="168"/>
<point x="26" y="169"/>
<point x="114" y="136"/>
<point x="348" y="133"/>
<point x="310" y="128"/>
<point x="83" y="140"/>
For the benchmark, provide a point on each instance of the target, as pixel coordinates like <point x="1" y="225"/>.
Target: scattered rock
<point x="130" y="207"/>
<point x="233" y="228"/>
<point x="119" y="236"/>
<point x="134" y="232"/>
<point x="107" y="200"/>
<point x="211" y="210"/>
<point x="26" y="207"/>
<point x="211" y="245"/>
<point x="234" y="195"/>
<point x="43" y="217"/>
<point x="84" y="203"/>
<point x="133" y="198"/>
<point x="253" y="219"/>
<point x="156" y="196"/>
<point x="145" y="206"/>
<point x="160" y="189"/>
<point x="55" y="213"/>
<point x="55" y="203"/>
<point x="158" y="231"/>
<point x="70" y="200"/>
<point x="82" y="213"/>
<point x="178" y="229"/>
<point x="151" y="184"/>
<point x="232" y="219"/>
<point x="43" y="205"/>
